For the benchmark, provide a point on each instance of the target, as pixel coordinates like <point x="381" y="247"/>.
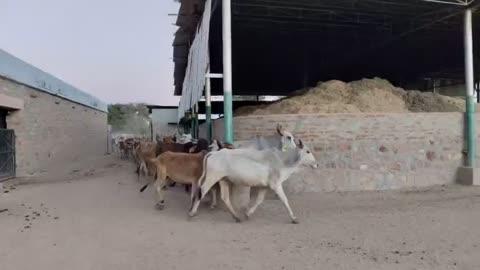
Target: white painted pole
<point x="240" y="194"/>
<point x="208" y="106"/>
<point x="208" y="90"/>
<point x="469" y="53"/>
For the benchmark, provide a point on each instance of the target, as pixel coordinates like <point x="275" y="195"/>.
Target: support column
<point x="195" y="121"/>
<point x="227" y="70"/>
<point x="208" y="107"/>
<point x="469" y="83"/>
<point x="470" y="174"/>
<point x="240" y="194"/>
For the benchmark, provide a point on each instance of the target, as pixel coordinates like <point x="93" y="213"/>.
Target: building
<point x="164" y="119"/>
<point x="247" y="48"/>
<point x="45" y="123"/>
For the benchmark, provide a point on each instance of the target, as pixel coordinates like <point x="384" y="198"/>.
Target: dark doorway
<point x="3" y="118"/>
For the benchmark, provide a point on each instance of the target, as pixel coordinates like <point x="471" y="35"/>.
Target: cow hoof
<point x="191" y="214"/>
<point x="237" y="219"/>
<point x="160" y="206"/>
<point x="295" y="221"/>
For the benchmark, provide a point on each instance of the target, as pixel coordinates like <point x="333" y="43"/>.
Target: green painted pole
<point x="471" y="138"/>
<point x="469" y="81"/>
<point x="227" y="70"/>
<point x="195" y="121"/>
<point x="209" y="123"/>
<point x="228" y="117"/>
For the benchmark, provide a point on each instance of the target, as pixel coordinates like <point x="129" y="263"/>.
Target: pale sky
<point x="116" y="50"/>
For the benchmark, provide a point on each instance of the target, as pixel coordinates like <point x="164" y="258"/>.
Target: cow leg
<point x="195" y="204"/>
<point x="281" y="194"/>
<point x="258" y="200"/>
<point x="160" y="187"/>
<point x="213" y="203"/>
<point x="143" y="169"/>
<point x="192" y="193"/>
<point x="200" y="192"/>
<point x="225" y="194"/>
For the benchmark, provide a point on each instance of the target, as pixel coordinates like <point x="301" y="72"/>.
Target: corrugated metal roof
<point x="189" y="15"/>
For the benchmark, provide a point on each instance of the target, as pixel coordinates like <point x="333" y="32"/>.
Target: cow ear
<point x="300" y="144"/>
<point x="280" y="129"/>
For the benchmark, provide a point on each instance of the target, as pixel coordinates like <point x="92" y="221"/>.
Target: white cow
<point x="283" y="139"/>
<point x="263" y="169"/>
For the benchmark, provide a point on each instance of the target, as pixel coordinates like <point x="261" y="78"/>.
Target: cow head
<point x="169" y="139"/>
<point x="216" y="145"/>
<point x="287" y="139"/>
<point x="306" y="156"/>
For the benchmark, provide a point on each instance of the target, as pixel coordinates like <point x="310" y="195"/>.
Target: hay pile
<point x="364" y="96"/>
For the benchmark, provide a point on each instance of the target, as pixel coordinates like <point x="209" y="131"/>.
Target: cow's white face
<point x="306" y="156"/>
<point x="287" y="139"/>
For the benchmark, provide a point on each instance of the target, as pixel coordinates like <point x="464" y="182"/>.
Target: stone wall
<point x="52" y="132"/>
<point x="368" y="151"/>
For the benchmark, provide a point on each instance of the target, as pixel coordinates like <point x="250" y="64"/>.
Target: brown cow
<point x="142" y="153"/>
<point x="182" y="168"/>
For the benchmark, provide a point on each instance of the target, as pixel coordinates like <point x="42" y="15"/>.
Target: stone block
<point x="468" y="176"/>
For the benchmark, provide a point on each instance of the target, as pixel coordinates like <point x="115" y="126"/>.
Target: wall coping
<point x="12" y="68"/>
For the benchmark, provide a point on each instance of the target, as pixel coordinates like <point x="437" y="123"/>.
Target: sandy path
<point x="103" y="222"/>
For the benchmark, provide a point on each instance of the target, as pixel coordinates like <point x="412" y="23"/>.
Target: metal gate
<point x="7" y="154"/>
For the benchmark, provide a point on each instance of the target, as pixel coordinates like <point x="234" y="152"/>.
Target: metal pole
<point x="195" y="121"/>
<point x="470" y="104"/>
<point x="208" y="107"/>
<point x="227" y="69"/>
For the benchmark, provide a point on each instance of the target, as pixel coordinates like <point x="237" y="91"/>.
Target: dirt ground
<point x="97" y="219"/>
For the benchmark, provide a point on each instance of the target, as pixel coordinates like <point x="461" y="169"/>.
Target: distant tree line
<point x="129" y="118"/>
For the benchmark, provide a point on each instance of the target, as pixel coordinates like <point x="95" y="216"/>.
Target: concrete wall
<point x="160" y="120"/>
<point x="368" y="151"/>
<point x="52" y="131"/>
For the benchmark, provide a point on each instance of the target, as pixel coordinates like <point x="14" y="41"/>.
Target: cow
<point x="283" y="139"/>
<point x="172" y="147"/>
<point x="182" y="168"/>
<point x="143" y="152"/>
<point x="262" y="169"/>
<point x="169" y="139"/>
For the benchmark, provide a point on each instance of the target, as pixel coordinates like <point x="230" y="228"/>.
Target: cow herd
<point x="262" y="163"/>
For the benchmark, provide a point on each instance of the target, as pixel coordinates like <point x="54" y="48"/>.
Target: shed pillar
<point x="227" y="69"/>
<point x="240" y="194"/>
<point x="208" y="107"/>
<point x="195" y="122"/>
<point x="469" y="83"/>
<point x="470" y="174"/>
